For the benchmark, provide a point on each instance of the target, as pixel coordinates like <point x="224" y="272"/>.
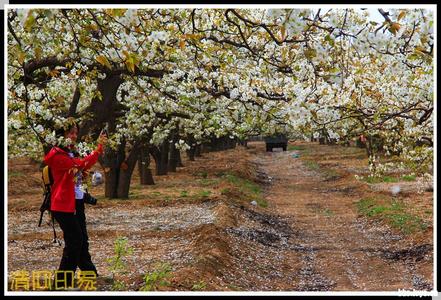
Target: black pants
<point x="76" y="249"/>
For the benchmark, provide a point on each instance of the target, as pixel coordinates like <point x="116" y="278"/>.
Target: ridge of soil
<point x="310" y="237"/>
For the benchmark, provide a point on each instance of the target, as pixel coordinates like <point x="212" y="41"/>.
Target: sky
<point x="374" y="14"/>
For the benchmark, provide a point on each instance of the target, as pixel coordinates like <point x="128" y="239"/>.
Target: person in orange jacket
<point x="67" y="205"/>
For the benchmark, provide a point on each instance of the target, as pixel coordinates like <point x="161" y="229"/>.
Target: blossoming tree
<point x="165" y="80"/>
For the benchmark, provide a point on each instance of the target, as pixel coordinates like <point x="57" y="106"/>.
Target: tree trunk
<point x="359" y="143"/>
<point x="219" y="144"/>
<point x="243" y="143"/>
<point x="224" y="143"/>
<point x="145" y="173"/>
<point x="369" y="148"/>
<point x="179" y="159"/>
<point x="232" y="143"/>
<point x="125" y="174"/>
<point x="111" y="183"/>
<point x="175" y="155"/>
<point x="191" y="153"/>
<point x="330" y="142"/>
<point x="123" y="184"/>
<point x="205" y="148"/>
<point x="106" y="110"/>
<point x="163" y="162"/>
<point x="111" y="161"/>
<point x="198" y="150"/>
<point x="215" y="144"/>
<point x="160" y="155"/>
<point x="173" y="159"/>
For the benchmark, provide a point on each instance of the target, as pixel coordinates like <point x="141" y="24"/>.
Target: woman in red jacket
<point x="67" y="204"/>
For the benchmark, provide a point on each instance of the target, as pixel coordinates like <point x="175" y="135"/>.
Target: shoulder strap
<point x="45" y="205"/>
<point x="41" y="218"/>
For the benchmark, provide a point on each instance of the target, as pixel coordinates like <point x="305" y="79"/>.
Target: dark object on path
<point x="276" y="141"/>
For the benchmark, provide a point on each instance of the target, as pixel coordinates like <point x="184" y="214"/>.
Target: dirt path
<point x="200" y="220"/>
<point x="330" y="247"/>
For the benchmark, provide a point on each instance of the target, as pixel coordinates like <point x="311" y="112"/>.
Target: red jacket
<point x="63" y="172"/>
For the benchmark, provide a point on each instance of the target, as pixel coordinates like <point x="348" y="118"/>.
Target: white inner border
<point x="189" y="6"/>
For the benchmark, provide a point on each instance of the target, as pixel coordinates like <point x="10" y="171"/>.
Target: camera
<point x="89" y="199"/>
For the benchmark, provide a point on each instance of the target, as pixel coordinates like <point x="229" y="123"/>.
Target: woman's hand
<point x="85" y="174"/>
<point x="102" y="139"/>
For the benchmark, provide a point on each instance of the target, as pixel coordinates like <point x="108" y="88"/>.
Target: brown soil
<point x="310" y="237"/>
<point x="337" y="248"/>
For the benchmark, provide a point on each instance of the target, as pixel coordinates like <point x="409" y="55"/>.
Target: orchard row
<point x="171" y="79"/>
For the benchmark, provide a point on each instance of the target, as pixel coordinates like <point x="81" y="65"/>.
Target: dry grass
<point x="200" y="221"/>
<point x="174" y="221"/>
